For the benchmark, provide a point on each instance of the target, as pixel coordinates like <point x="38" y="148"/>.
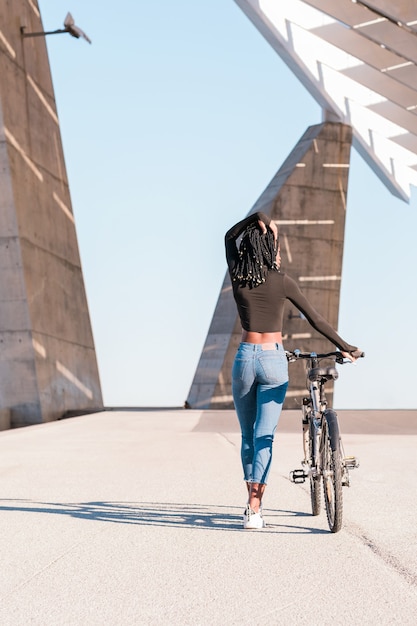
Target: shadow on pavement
<point x="189" y="516"/>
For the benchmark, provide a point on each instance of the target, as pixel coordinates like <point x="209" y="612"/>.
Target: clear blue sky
<point x="173" y="122"/>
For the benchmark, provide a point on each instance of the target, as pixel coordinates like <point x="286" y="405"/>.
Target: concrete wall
<point x="307" y="198"/>
<point x="47" y="356"/>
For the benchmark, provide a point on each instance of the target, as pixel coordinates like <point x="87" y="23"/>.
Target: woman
<point x="260" y="369"/>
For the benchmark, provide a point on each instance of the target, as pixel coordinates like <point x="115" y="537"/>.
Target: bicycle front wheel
<point x="315" y="479"/>
<point x="332" y="477"/>
<point x="315" y="495"/>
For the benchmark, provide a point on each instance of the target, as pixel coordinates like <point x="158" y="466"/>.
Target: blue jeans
<point x="259" y="384"/>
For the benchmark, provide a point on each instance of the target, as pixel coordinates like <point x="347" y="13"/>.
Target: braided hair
<point x="257" y="255"/>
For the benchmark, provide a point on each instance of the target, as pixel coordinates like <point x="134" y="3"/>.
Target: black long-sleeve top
<point x="261" y="309"/>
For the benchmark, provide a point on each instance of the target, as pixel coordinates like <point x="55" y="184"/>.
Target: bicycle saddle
<point x="328" y="373"/>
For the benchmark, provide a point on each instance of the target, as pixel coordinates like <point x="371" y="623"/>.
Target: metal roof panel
<point x="360" y="66"/>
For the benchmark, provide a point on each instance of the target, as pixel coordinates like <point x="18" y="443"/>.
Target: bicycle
<point x="324" y="457"/>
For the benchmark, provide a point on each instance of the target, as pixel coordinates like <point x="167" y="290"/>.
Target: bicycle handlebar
<point x="358" y="354"/>
<point x="339" y="358"/>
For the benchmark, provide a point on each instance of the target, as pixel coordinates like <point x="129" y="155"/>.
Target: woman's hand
<point x="353" y="356"/>
<point x="274" y="229"/>
<point x="262" y="226"/>
<point x="271" y="225"/>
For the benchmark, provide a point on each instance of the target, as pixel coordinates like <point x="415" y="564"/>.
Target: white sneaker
<point x="252" y="520"/>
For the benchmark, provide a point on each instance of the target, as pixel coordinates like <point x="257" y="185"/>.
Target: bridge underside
<point x="307" y="199"/>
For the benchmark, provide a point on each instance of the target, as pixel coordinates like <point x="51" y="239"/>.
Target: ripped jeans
<point x="259" y="384"/>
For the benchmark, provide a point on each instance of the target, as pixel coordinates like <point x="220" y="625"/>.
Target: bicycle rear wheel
<point x="332" y="476"/>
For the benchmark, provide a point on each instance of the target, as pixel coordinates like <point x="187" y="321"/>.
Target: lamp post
<point x="69" y="27"/>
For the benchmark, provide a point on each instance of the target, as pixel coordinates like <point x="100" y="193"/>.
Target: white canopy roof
<point x="359" y="61"/>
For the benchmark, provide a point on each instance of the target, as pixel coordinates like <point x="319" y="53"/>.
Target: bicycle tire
<point x="332" y="474"/>
<point x="315" y="486"/>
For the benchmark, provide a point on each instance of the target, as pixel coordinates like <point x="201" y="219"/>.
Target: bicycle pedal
<point x="351" y="462"/>
<point x="298" y="476"/>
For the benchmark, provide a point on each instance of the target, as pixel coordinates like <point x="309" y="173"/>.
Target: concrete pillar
<point x="47" y="357"/>
<point x="307" y="198"/>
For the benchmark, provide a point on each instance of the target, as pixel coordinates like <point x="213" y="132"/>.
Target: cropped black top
<point x="261" y="309"/>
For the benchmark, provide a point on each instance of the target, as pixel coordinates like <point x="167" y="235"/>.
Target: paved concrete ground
<point x="134" y="517"/>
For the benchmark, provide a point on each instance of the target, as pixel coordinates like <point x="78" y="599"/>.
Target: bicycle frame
<point x="313" y="408"/>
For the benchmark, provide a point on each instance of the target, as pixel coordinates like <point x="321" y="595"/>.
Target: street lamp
<point x="70" y="28"/>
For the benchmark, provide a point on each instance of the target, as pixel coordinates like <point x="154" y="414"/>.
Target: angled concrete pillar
<point x="307" y="198"/>
<point x="47" y="358"/>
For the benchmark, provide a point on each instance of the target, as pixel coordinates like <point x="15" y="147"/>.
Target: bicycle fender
<point x="333" y="425"/>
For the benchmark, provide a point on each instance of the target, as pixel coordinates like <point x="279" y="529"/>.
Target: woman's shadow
<point x="168" y="514"/>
